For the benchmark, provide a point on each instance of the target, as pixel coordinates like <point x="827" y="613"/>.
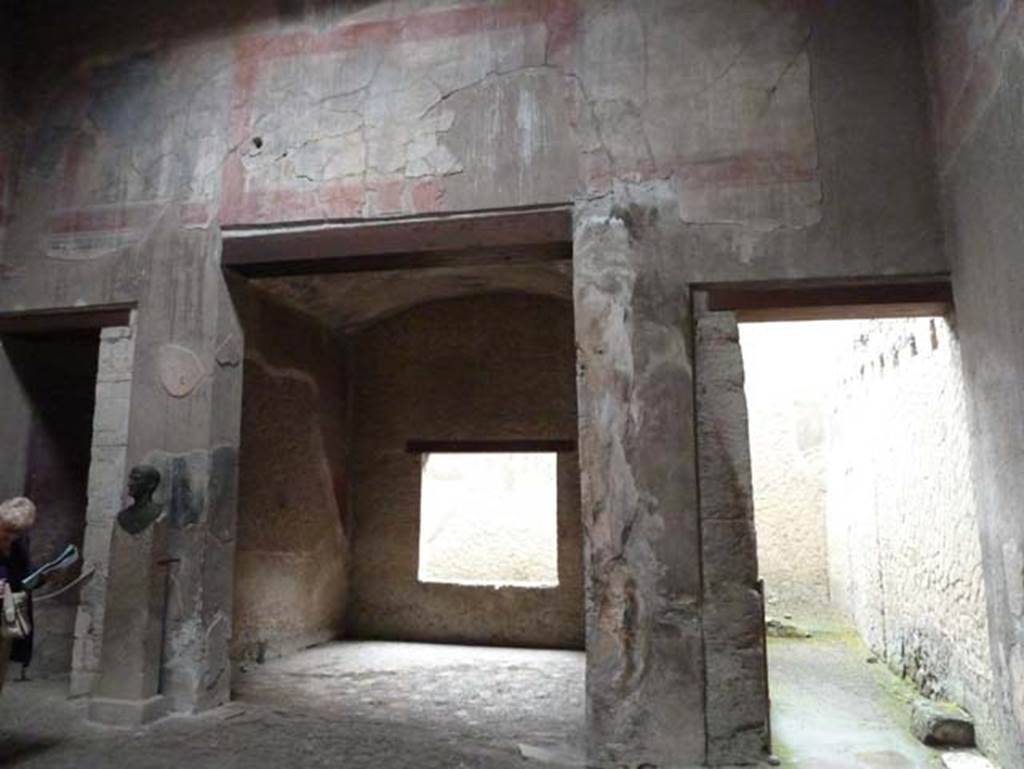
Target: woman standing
<point x="17" y="516"/>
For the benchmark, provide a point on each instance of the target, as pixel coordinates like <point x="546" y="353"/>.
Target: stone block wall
<point x="292" y="552"/>
<point x="733" y="621"/>
<point x="106" y="496"/>
<point x="905" y="559"/>
<point x="495" y="367"/>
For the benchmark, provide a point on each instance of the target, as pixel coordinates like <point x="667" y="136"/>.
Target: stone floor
<point x="391" y="706"/>
<point x="350" y="705"/>
<point x="832" y="709"/>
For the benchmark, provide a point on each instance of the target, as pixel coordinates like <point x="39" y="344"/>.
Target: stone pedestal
<point x="114" y="712"/>
<point x="128" y="692"/>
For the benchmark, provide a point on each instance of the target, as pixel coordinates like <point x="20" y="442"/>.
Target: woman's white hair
<point x="18" y="513"/>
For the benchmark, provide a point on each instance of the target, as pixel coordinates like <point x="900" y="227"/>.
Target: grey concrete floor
<point x="831" y="709"/>
<point x="347" y="705"/>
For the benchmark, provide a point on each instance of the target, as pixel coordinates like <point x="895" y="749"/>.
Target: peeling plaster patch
<point x="180" y="370"/>
<point x="1013" y="564"/>
<point x="186" y="501"/>
<point x="761" y="207"/>
<point x="137" y="129"/>
<point x="84" y="246"/>
<point x="360" y="115"/>
<point x="618" y="609"/>
<point x="1017" y="683"/>
<point x="751" y="159"/>
<point x="229" y="353"/>
<point x="511" y="111"/>
<point x="528" y="114"/>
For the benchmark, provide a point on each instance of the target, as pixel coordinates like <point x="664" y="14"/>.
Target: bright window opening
<point x="489" y="519"/>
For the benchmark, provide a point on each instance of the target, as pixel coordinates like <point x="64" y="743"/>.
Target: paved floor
<point x="391" y="706"/>
<point x="831" y="709"/>
<point x="348" y="706"/>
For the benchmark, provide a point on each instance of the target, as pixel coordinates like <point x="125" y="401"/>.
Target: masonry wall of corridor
<point x="864" y="500"/>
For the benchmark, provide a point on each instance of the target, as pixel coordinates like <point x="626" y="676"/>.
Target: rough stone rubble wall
<point x="495" y="367"/>
<point x="787" y="371"/>
<point x="904" y="549"/>
<point x="291" y="572"/>
<point x="976" y="56"/>
<point x="107" y="475"/>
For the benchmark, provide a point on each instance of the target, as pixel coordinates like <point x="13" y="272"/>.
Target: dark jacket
<point x="14" y="568"/>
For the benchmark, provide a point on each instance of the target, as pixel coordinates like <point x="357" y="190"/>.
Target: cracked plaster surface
<point x="372" y="116"/>
<point x="751" y="158"/>
<point x="378" y="130"/>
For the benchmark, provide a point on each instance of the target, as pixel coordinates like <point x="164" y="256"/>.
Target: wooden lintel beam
<point x="476" y="257"/>
<point x="64" y="319"/>
<point x="490" y="447"/>
<point x="898" y="299"/>
<point x="406" y="242"/>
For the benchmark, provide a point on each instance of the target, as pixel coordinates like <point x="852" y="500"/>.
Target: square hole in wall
<point x="489" y="519"/>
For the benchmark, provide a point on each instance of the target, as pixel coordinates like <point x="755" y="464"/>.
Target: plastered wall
<point x="904" y="551"/>
<point x="976" y="64"/>
<point x="291" y="559"/>
<point x="697" y="142"/>
<point x="864" y="496"/>
<point x="788" y="368"/>
<point x="106" y="497"/>
<point x="494" y="367"/>
<point x="737" y="701"/>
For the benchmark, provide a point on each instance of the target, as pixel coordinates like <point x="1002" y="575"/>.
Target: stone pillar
<point x="733" y="615"/>
<point x="107" y="472"/>
<point x="188" y="416"/>
<point x="184" y="420"/>
<point x="645" y="666"/>
<point x="128" y="692"/>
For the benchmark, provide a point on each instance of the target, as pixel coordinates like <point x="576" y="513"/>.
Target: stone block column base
<point x="128" y="712"/>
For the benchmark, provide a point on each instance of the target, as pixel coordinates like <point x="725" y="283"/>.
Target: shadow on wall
<point x="291" y="556"/>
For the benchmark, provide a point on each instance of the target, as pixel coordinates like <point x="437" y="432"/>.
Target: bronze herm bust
<point x="137" y="517"/>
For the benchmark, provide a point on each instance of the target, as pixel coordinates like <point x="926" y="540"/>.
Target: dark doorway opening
<point x="56" y="376"/>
